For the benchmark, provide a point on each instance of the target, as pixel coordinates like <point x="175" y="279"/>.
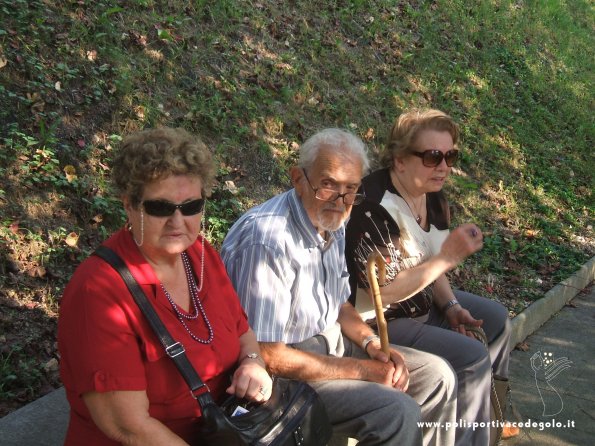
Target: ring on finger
<point x="262" y="391"/>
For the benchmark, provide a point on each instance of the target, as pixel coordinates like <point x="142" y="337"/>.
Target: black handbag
<point x="293" y="416"/>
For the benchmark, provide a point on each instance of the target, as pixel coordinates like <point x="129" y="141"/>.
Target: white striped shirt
<point x="290" y="282"/>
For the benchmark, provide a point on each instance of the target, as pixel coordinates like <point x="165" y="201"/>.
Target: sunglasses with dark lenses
<point x="163" y="208"/>
<point x="432" y="158"/>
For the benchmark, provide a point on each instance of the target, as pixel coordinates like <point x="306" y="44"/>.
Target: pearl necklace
<point x="196" y="304"/>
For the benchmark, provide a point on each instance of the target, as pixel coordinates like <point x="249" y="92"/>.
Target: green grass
<point x="254" y="79"/>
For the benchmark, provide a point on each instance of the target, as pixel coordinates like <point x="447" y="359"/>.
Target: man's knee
<point x="446" y="376"/>
<point x="402" y="417"/>
<point x="437" y="373"/>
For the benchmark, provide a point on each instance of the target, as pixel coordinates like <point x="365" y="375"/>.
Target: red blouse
<point x="106" y="344"/>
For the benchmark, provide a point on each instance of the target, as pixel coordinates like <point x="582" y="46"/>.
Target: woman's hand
<point x="251" y="381"/>
<point x="463" y="241"/>
<point x="458" y="317"/>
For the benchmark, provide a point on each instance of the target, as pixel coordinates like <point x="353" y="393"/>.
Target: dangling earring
<point x="203" y="229"/>
<point x="142" y="230"/>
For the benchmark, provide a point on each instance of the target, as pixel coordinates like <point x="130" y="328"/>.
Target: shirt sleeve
<point x="262" y="278"/>
<point x="99" y="343"/>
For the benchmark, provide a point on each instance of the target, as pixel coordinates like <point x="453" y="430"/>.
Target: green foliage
<point x="255" y="79"/>
<point x="18" y="372"/>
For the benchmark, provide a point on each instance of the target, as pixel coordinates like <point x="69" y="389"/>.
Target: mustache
<point x="334" y="207"/>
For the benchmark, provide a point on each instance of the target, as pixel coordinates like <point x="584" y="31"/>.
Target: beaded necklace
<point x="196" y="304"/>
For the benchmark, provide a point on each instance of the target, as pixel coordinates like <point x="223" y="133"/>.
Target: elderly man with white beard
<point x="286" y="261"/>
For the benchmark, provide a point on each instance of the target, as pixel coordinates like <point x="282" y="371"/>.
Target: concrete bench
<point x="44" y="422"/>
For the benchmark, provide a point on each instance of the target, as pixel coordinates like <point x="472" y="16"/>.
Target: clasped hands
<point x="390" y="371"/>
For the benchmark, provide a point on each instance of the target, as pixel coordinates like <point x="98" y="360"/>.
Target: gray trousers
<point x="467" y="356"/>
<point x="376" y="414"/>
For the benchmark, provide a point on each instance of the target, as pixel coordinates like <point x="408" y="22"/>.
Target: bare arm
<point x="297" y="364"/>
<point x="123" y="416"/>
<point x="251" y="374"/>
<point x="460" y="244"/>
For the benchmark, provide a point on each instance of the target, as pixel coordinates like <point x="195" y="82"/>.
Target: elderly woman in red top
<point x="121" y="385"/>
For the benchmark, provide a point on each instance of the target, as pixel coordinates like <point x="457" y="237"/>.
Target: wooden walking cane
<point x="376" y="259"/>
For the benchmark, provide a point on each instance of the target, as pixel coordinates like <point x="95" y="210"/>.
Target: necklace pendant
<point x="418" y="219"/>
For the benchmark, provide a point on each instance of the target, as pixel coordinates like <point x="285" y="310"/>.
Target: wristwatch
<point x="449" y="304"/>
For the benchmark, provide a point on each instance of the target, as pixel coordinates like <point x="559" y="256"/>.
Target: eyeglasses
<point x="349" y="198"/>
<point x="432" y="158"/>
<point x="164" y="208"/>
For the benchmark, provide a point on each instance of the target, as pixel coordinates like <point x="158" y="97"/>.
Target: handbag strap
<point x="173" y="349"/>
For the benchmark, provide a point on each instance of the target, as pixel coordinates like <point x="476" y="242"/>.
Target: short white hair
<point x="339" y="140"/>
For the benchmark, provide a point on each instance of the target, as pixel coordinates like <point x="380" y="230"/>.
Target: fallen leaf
<point x="231" y="187"/>
<point x="72" y="239"/>
<point x="369" y="134"/>
<point x="3" y="62"/>
<point x="140" y="112"/>
<point x="58" y="86"/>
<point x="14" y="227"/>
<point x="522" y="346"/>
<point x="52" y="365"/>
<point x="38" y="271"/>
<point x="70" y="173"/>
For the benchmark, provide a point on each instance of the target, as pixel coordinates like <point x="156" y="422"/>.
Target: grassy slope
<point x="255" y="78"/>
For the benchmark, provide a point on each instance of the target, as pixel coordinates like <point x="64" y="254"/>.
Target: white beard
<point x="330" y="222"/>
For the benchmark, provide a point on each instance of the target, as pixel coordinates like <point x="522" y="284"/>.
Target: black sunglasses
<point x="163" y="208"/>
<point x="432" y="158"/>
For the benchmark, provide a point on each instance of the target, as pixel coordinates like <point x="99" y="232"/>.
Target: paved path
<point x="568" y="397"/>
<point x="569" y="336"/>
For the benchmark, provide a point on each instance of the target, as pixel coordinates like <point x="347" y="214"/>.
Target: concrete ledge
<point x="42" y="422"/>
<point x="540" y="311"/>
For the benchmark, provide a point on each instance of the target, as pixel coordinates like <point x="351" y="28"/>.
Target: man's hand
<point x="458" y="317"/>
<point x="398" y="376"/>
